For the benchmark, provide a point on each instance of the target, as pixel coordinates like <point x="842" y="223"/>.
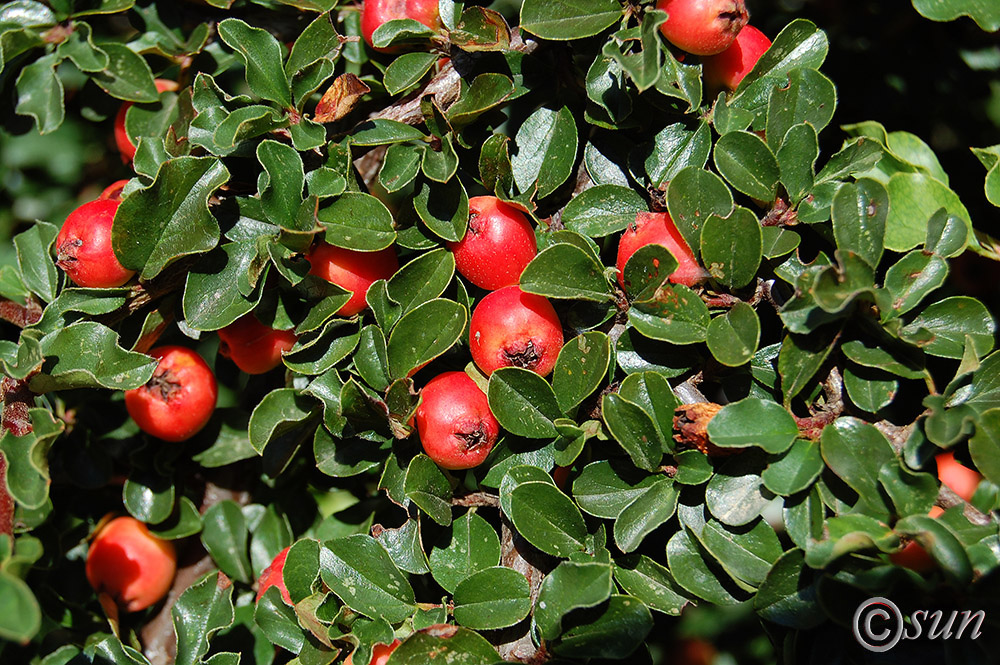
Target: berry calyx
<point x="511" y="328"/>
<point x="374" y="13"/>
<point x="658" y="228"/>
<point x="124" y="142"/>
<point x="352" y="270"/>
<point x="273" y="576"/>
<point x="380" y="654"/>
<point x="703" y="27"/>
<point x="254" y="347"/>
<point x="83" y="246"/>
<point x="178" y="400"/>
<point x="962" y="480"/>
<point x="727" y="69"/>
<point x="130" y="564"/>
<point x="454" y="422"/>
<point x="498" y="245"/>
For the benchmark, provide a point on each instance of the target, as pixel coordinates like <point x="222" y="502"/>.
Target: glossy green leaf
<point x="570" y="586"/>
<point x="492" y="598"/>
<point x="551" y="19"/>
<point x="753" y="422"/>
<point x="733" y="337"/>
<point x="748" y="164"/>
<point x="547" y="519"/>
<point x="362" y="574"/>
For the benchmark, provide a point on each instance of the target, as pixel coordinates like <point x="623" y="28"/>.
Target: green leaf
<point x="941" y="329"/>
<point x="883" y="359"/>
<point x="20" y="614"/>
<point x="799" y="44"/>
<point x="34" y="260"/>
<point x="647" y="512"/>
<point x="736" y="495"/>
<point x="580" y="368"/>
<point x="407" y="70"/>
<point x="428" y="487"/>
<point x="694" y="195"/>
<point x="481" y="29"/>
<point x="453" y="644"/>
<point x="984" y="446"/>
<point x="788" y="596"/>
<point x="546" y="151"/>
<point x="224" y="535"/>
<point x="444" y="208"/>
<point x="280" y="415"/>
<point x="200" y="612"/>
<point x="212" y="296"/>
<point x="731" y="248"/>
<point x="672" y="150"/>
<point x="169" y="219"/>
<point x="603" y="210"/>
<point x="567" y="272"/>
<point x="423" y="334"/>
<point x="913" y="278"/>
<point x="559" y="20"/>
<point x="358" y="221"/>
<point x="947" y="235"/>
<point x="40" y="94"/>
<point x="614" y="629"/>
<point x="942" y="545"/>
<point x="491" y="599"/>
<point x="986" y="14"/>
<point x="747" y="554"/>
<point x="651" y="392"/>
<point x="548" y="519"/>
<point x="675" y="314"/>
<point x="148" y="497"/>
<point x="753" y="422"/>
<point x="399" y="31"/>
<point x="27" y="474"/>
<point x="807" y="97"/>
<point x="797" y="160"/>
<point x="733" y="337"/>
<point x="440" y="165"/>
<point x="693" y="574"/>
<point x="261" y="54"/>
<point x="650" y="582"/>
<point x="859" y="219"/>
<point x="469" y="546"/>
<point x="383" y="132"/>
<point x="647" y="270"/>
<point x="281" y="198"/>
<point x="318" y="41"/>
<point x="855" y="451"/>
<point x="571" y="586"/>
<point x="633" y="428"/>
<point x="869" y="389"/>
<point x="277" y="621"/>
<point x="795" y="470"/>
<point x="914" y="199"/>
<point x="604" y="489"/>
<point x="748" y="164"/>
<point x="316" y="352"/>
<point x="523" y="402"/>
<point x="363" y="576"/>
<point x="127" y="75"/>
<point x="800" y="358"/>
<point x="87" y="355"/>
<point x="487" y="91"/>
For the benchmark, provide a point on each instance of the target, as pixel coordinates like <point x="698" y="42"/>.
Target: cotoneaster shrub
<point x="603" y="449"/>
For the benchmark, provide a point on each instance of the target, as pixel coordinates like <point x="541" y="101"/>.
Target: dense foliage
<point x="743" y="454"/>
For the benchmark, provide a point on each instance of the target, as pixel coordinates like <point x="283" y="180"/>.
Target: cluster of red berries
<point x="718" y="31"/>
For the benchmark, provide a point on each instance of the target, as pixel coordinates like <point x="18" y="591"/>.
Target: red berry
<point x="114" y="190"/>
<point x="703" y="27"/>
<point x="254" y="347"/>
<point x="180" y="398"/>
<point x="83" y="246"/>
<point x="376" y="12"/>
<point x="380" y="653"/>
<point x="657" y="228"/>
<point x="962" y="480"/>
<point x="125" y="146"/>
<point x="499" y="244"/>
<point x="352" y="270"/>
<point x="454" y="421"/>
<point x="130" y="564"/>
<point x="273" y="576"/>
<point x="728" y="68"/>
<point x="511" y="328"/>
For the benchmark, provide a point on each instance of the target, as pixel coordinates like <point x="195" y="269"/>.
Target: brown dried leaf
<point x="340" y="98"/>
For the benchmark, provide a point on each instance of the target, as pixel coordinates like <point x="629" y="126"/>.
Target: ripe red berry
<point x="83" y="246"/>
<point x="180" y="398"/>
<point x="114" y="190"/>
<point x="962" y="480"/>
<point x="376" y="12"/>
<point x="380" y="654"/>
<point x="125" y="146"/>
<point x="499" y="244"/>
<point x="728" y="68"/>
<point x="352" y="270"/>
<point x="703" y="27"/>
<point x="254" y="347"/>
<point x="130" y="564"/>
<point x="657" y="228"/>
<point x="454" y="421"/>
<point x="273" y="576"/>
<point x="511" y="328"/>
